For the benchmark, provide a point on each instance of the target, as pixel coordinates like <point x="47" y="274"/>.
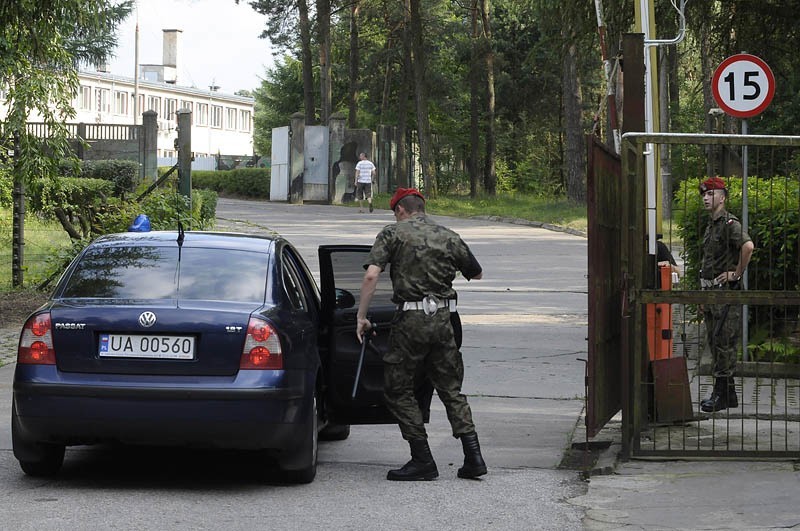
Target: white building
<point x="222" y="124"/>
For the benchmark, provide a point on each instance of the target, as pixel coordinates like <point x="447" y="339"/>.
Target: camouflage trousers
<point x="418" y="339"/>
<point x="725" y="344"/>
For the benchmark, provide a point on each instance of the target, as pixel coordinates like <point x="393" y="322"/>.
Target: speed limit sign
<point x="743" y="85"/>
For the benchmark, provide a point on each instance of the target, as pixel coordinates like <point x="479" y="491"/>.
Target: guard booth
<point x="658" y="392"/>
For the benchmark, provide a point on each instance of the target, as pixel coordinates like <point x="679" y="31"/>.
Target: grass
<point x="558" y="211"/>
<point x="42" y="239"/>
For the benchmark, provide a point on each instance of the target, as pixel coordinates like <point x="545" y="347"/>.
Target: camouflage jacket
<point x="424" y="258"/>
<point x="722" y="243"/>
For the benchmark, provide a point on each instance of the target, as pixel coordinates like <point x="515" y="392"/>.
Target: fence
<point x="664" y="414"/>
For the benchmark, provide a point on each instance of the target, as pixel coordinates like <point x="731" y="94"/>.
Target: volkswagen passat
<point x="204" y="339"/>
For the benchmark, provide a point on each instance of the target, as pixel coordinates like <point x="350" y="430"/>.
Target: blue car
<point x="213" y="340"/>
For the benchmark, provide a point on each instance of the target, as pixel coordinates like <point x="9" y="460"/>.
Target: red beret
<point x="712" y="183"/>
<point x="403" y="192"/>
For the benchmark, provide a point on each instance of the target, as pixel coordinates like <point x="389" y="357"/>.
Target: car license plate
<point x="142" y="346"/>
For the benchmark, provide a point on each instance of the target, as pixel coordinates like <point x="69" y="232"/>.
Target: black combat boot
<point x="722" y="397"/>
<point x="706" y="404"/>
<point x="421" y="467"/>
<point x="733" y="400"/>
<point x="474" y="465"/>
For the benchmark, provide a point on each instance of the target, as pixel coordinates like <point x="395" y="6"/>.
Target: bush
<point x="6" y="186"/>
<point x="123" y="173"/>
<point x="245" y="182"/>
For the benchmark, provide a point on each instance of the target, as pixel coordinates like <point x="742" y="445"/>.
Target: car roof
<point x="234" y="240"/>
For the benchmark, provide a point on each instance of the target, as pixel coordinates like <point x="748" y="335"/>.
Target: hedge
<point x="244" y="182"/>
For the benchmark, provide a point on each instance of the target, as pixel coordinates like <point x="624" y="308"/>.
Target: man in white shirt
<point x="365" y="173"/>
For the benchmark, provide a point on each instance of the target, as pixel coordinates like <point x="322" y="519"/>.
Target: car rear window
<point x="151" y="272"/>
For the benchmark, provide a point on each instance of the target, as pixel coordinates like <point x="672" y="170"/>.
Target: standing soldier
<point x="365" y="174"/>
<point x="727" y="249"/>
<point x="425" y="258"/>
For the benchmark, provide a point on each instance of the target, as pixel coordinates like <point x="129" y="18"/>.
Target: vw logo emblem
<point x="147" y="319"/>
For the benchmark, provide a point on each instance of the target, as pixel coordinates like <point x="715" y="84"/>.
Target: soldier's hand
<point x="362" y="328"/>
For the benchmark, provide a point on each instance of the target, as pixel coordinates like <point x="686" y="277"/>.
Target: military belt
<point x="429" y="305"/>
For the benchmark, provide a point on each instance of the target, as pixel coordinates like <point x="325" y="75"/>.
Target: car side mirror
<point x="344" y="299"/>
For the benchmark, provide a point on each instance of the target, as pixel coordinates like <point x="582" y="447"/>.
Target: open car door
<point x="341" y="274"/>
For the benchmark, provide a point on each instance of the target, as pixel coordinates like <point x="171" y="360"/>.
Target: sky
<point x="219" y="43"/>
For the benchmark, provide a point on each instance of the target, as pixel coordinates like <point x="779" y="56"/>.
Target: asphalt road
<point x="524" y="332"/>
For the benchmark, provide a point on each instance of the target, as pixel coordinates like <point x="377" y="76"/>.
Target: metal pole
<point x="745" y="221"/>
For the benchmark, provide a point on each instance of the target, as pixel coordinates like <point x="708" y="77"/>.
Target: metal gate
<point x="661" y="412"/>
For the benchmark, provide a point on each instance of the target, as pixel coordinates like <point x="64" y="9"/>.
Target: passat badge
<point x="147" y="319"/>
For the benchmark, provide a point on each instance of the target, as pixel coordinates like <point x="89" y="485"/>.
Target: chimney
<point x="170" y="54"/>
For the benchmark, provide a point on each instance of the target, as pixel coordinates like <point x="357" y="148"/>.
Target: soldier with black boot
<point x="727" y="249"/>
<point x="425" y="258"/>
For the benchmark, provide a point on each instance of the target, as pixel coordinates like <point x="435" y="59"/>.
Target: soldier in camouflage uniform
<point x="727" y="249"/>
<point x="425" y="258"/>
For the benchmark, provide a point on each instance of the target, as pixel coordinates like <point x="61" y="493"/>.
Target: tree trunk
<point x="403" y="179"/>
<point x="574" y="150"/>
<point x="490" y="174"/>
<point x="421" y="92"/>
<point x="352" y="117"/>
<point x="308" y="72"/>
<point x="474" y="106"/>
<point x="324" y="36"/>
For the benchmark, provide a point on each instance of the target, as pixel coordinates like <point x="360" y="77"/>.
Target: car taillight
<point x="36" y="342"/>
<point x="262" y="347"/>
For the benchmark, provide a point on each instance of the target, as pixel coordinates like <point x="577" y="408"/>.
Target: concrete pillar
<point x="337" y="181"/>
<point x="296" y="157"/>
<point x="149" y="143"/>
<point x="387" y="179"/>
<point x="81" y="139"/>
<point x="185" y="153"/>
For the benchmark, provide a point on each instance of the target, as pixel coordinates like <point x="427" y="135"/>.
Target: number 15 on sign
<point x="743" y="85"/>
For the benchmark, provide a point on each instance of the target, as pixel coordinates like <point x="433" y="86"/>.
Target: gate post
<point x="632" y="121"/>
<point x="297" y="134"/>
<point x="335" y="144"/>
<point x="184" y="145"/>
<point x="149" y="143"/>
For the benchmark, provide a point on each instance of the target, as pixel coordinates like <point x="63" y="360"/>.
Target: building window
<point x="154" y="103"/>
<point x="216" y="116"/>
<point x="86" y="98"/>
<point x="121" y="102"/>
<point x="170" y="109"/>
<point x="231" y="118"/>
<point x="188" y="105"/>
<point x="244" y="121"/>
<point x="103" y="97"/>
<point x="202" y="114"/>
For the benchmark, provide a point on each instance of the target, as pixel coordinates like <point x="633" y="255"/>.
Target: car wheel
<point x="35" y="458"/>
<point x="335" y="432"/>
<point x="306" y="455"/>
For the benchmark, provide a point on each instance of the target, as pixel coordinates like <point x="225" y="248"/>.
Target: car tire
<point x="335" y="432"/>
<point x="35" y="458"/>
<point x="307" y="452"/>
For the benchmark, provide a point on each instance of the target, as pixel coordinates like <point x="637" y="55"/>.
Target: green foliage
<point x="6" y="187"/>
<point x="244" y="182"/>
<point x="764" y="347"/>
<point x="123" y="173"/>
<point x="41" y="46"/>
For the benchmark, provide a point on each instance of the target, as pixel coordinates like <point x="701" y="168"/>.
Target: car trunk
<point x="116" y="340"/>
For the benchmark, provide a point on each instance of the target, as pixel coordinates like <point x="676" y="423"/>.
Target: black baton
<point x="364" y="342"/>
